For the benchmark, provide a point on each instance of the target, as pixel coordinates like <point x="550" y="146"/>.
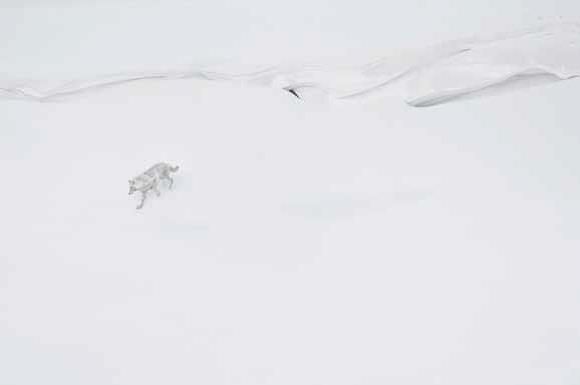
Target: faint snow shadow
<point x="345" y="206"/>
<point x="513" y="84"/>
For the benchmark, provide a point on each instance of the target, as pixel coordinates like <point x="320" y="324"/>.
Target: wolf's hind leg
<point x="154" y="187"/>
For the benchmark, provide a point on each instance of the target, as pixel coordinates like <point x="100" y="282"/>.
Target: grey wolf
<point x="150" y="179"/>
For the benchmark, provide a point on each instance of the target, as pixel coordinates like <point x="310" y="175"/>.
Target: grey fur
<point x="150" y="179"/>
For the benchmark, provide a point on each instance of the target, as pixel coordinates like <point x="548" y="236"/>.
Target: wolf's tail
<point x="174" y="169"/>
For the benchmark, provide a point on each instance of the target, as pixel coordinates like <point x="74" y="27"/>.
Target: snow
<point x="551" y="50"/>
<point x="438" y="74"/>
<point x="302" y="243"/>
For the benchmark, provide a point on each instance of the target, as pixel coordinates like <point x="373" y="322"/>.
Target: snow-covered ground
<point x="337" y="243"/>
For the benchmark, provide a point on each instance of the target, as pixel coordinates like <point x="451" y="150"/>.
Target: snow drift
<point x="553" y="50"/>
<point x="432" y="76"/>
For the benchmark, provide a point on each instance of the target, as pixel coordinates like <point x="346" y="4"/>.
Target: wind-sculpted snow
<point x="430" y="76"/>
<point x="554" y="51"/>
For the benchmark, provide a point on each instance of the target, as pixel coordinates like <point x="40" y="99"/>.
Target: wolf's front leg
<point x="143" y="196"/>
<point x="170" y="179"/>
<point x="154" y="187"/>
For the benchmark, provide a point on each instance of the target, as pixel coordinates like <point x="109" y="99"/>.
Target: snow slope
<point x="302" y="243"/>
<point x="75" y="39"/>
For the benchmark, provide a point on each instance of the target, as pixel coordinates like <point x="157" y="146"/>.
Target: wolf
<point x="150" y="179"/>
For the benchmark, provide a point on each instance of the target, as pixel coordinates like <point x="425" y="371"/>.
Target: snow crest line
<point x="430" y="77"/>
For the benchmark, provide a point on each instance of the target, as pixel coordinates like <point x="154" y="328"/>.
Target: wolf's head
<point x="132" y="187"/>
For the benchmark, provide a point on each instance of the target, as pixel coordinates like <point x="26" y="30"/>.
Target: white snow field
<point x="305" y="242"/>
